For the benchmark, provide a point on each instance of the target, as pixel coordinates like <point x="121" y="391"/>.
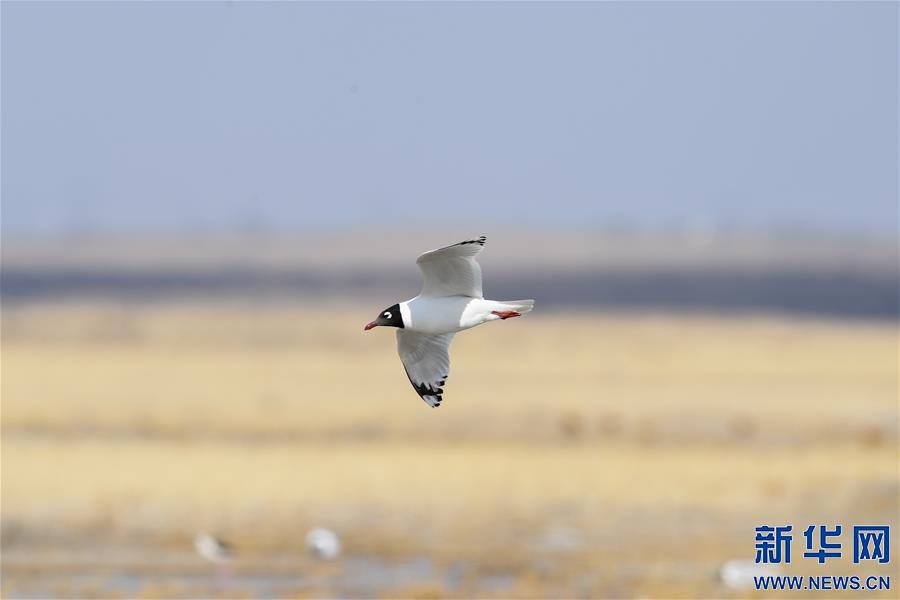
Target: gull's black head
<point x="389" y="317"/>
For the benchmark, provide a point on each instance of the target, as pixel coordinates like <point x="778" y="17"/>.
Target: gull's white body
<point x="448" y="314"/>
<point x="451" y="301"/>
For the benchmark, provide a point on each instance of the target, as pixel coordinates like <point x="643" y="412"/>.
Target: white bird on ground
<point x="740" y="574"/>
<point x="323" y="543"/>
<point x="212" y="548"/>
<point x="451" y="300"/>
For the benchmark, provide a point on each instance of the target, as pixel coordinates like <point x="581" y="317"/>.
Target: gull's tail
<point x="505" y="309"/>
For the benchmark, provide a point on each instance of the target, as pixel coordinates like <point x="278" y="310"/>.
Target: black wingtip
<point x="424" y="389"/>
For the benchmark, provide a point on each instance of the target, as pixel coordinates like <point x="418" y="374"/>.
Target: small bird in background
<point x="451" y="300"/>
<point x="217" y="552"/>
<point x="323" y="543"/>
<point x="212" y="548"/>
<point x="740" y="574"/>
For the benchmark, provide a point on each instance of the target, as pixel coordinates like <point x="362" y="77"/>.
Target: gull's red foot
<point x="506" y="314"/>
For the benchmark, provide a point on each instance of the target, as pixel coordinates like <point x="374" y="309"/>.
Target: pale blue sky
<point x="176" y="116"/>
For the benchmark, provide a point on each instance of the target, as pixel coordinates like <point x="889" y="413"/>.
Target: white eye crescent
<point x="387" y="315"/>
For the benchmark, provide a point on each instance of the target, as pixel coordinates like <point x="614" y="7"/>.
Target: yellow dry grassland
<point x="312" y="373"/>
<point x="574" y="455"/>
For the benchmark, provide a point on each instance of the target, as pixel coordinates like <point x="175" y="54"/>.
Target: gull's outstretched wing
<point x="452" y="271"/>
<point x="427" y="362"/>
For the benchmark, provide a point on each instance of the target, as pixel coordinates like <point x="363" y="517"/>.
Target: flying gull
<point x="451" y="300"/>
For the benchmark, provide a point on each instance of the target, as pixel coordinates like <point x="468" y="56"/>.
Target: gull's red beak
<point x="371" y="325"/>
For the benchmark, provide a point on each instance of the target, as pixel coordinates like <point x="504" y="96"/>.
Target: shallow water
<point x="356" y="576"/>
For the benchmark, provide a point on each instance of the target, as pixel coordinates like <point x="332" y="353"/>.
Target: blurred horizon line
<point x="700" y="243"/>
<point x="686" y="271"/>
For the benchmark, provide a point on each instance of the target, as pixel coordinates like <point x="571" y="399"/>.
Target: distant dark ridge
<point x="826" y="292"/>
